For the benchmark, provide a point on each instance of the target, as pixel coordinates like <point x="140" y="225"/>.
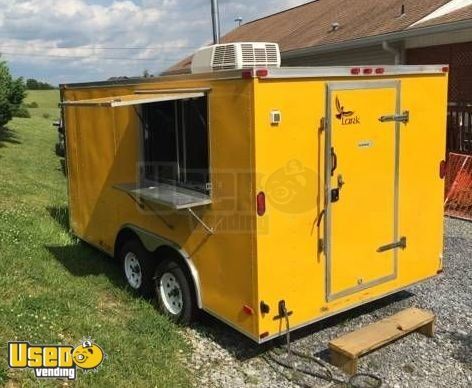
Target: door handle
<point x="334" y="195"/>
<point x="399" y="244"/>
<point x="334" y="161"/>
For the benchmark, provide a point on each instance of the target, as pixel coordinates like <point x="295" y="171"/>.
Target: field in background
<point x="47" y="101"/>
<point x="55" y="289"/>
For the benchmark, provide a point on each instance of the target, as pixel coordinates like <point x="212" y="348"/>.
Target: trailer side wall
<point x="103" y="150"/>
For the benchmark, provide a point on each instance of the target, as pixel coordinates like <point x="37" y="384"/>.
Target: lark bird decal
<point x="341" y="113"/>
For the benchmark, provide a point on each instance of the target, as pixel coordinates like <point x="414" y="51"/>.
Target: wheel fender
<point x="152" y="242"/>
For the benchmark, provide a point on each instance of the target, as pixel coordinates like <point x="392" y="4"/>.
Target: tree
<point x="12" y="93"/>
<point x="147" y="74"/>
<point x="18" y="91"/>
<point x="32" y="84"/>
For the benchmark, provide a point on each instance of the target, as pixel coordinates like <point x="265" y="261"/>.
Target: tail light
<point x="261" y="204"/>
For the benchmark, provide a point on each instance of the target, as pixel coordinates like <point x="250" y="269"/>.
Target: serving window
<point x="174" y="146"/>
<point x="175" y="143"/>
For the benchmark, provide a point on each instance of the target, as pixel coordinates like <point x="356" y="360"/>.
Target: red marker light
<point x="379" y="70"/>
<point x="247" y="74"/>
<point x="355" y="71"/>
<point x="261" y="204"/>
<point x="445" y="69"/>
<point x="368" y="70"/>
<point x="248" y="310"/>
<point x="262" y="73"/>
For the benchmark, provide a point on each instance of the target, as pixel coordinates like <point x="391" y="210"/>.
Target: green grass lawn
<point x="47" y="101"/>
<point x="55" y="289"/>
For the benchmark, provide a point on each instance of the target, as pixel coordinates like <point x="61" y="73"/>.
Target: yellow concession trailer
<point x="256" y="194"/>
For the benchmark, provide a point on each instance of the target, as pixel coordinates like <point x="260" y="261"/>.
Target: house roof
<point x="456" y="16"/>
<point x="310" y="24"/>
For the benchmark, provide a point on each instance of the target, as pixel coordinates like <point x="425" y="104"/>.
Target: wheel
<point x="60" y="149"/>
<point x="174" y="292"/>
<point x="138" y="267"/>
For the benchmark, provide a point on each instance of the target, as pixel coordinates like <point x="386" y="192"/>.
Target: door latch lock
<point x="334" y="195"/>
<point x="399" y="244"/>
<point x="399" y="118"/>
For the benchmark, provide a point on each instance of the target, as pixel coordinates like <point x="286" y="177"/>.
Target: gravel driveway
<point x="224" y="358"/>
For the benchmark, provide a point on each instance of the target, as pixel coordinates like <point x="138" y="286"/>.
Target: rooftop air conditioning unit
<point x="235" y="56"/>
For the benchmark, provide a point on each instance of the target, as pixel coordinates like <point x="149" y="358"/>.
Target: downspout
<point x="396" y="52"/>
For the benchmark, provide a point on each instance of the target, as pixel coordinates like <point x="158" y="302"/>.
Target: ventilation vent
<point x="248" y="52"/>
<point x="272" y="52"/>
<point x="224" y="57"/>
<point x="234" y="56"/>
<point x="260" y="54"/>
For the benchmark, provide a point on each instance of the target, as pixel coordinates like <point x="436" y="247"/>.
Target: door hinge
<point x="322" y="124"/>
<point x="399" y="118"/>
<point x="400" y="244"/>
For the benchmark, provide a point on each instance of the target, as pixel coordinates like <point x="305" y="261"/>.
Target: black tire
<point x="60" y="149"/>
<point x="133" y="252"/>
<point x="189" y="309"/>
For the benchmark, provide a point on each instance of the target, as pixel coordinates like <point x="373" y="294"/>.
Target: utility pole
<point x="215" y="17"/>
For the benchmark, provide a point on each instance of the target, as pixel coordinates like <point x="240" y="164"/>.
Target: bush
<point x="12" y="93"/>
<point x="33" y="104"/>
<point x="21" y="111"/>
<point x="46" y="115"/>
<point x="5" y="110"/>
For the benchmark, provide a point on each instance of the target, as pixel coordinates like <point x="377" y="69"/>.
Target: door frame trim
<point x="336" y="86"/>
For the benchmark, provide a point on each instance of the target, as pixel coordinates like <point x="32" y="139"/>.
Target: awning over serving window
<point x="132" y="99"/>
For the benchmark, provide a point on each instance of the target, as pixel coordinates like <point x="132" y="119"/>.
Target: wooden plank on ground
<point x="347" y="349"/>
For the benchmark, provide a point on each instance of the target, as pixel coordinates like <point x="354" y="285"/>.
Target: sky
<point x="65" y="41"/>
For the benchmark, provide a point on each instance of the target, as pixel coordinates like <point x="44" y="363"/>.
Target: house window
<point x="175" y="143"/>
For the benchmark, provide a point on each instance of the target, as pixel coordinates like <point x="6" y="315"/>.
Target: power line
<point x="103" y="48"/>
<point x="92" y="57"/>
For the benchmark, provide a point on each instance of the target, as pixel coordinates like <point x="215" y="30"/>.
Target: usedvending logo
<point x="346" y="117"/>
<point x="55" y="361"/>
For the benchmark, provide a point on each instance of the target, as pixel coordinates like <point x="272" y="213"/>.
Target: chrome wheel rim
<point x="133" y="271"/>
<point x="171" y="293"/>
